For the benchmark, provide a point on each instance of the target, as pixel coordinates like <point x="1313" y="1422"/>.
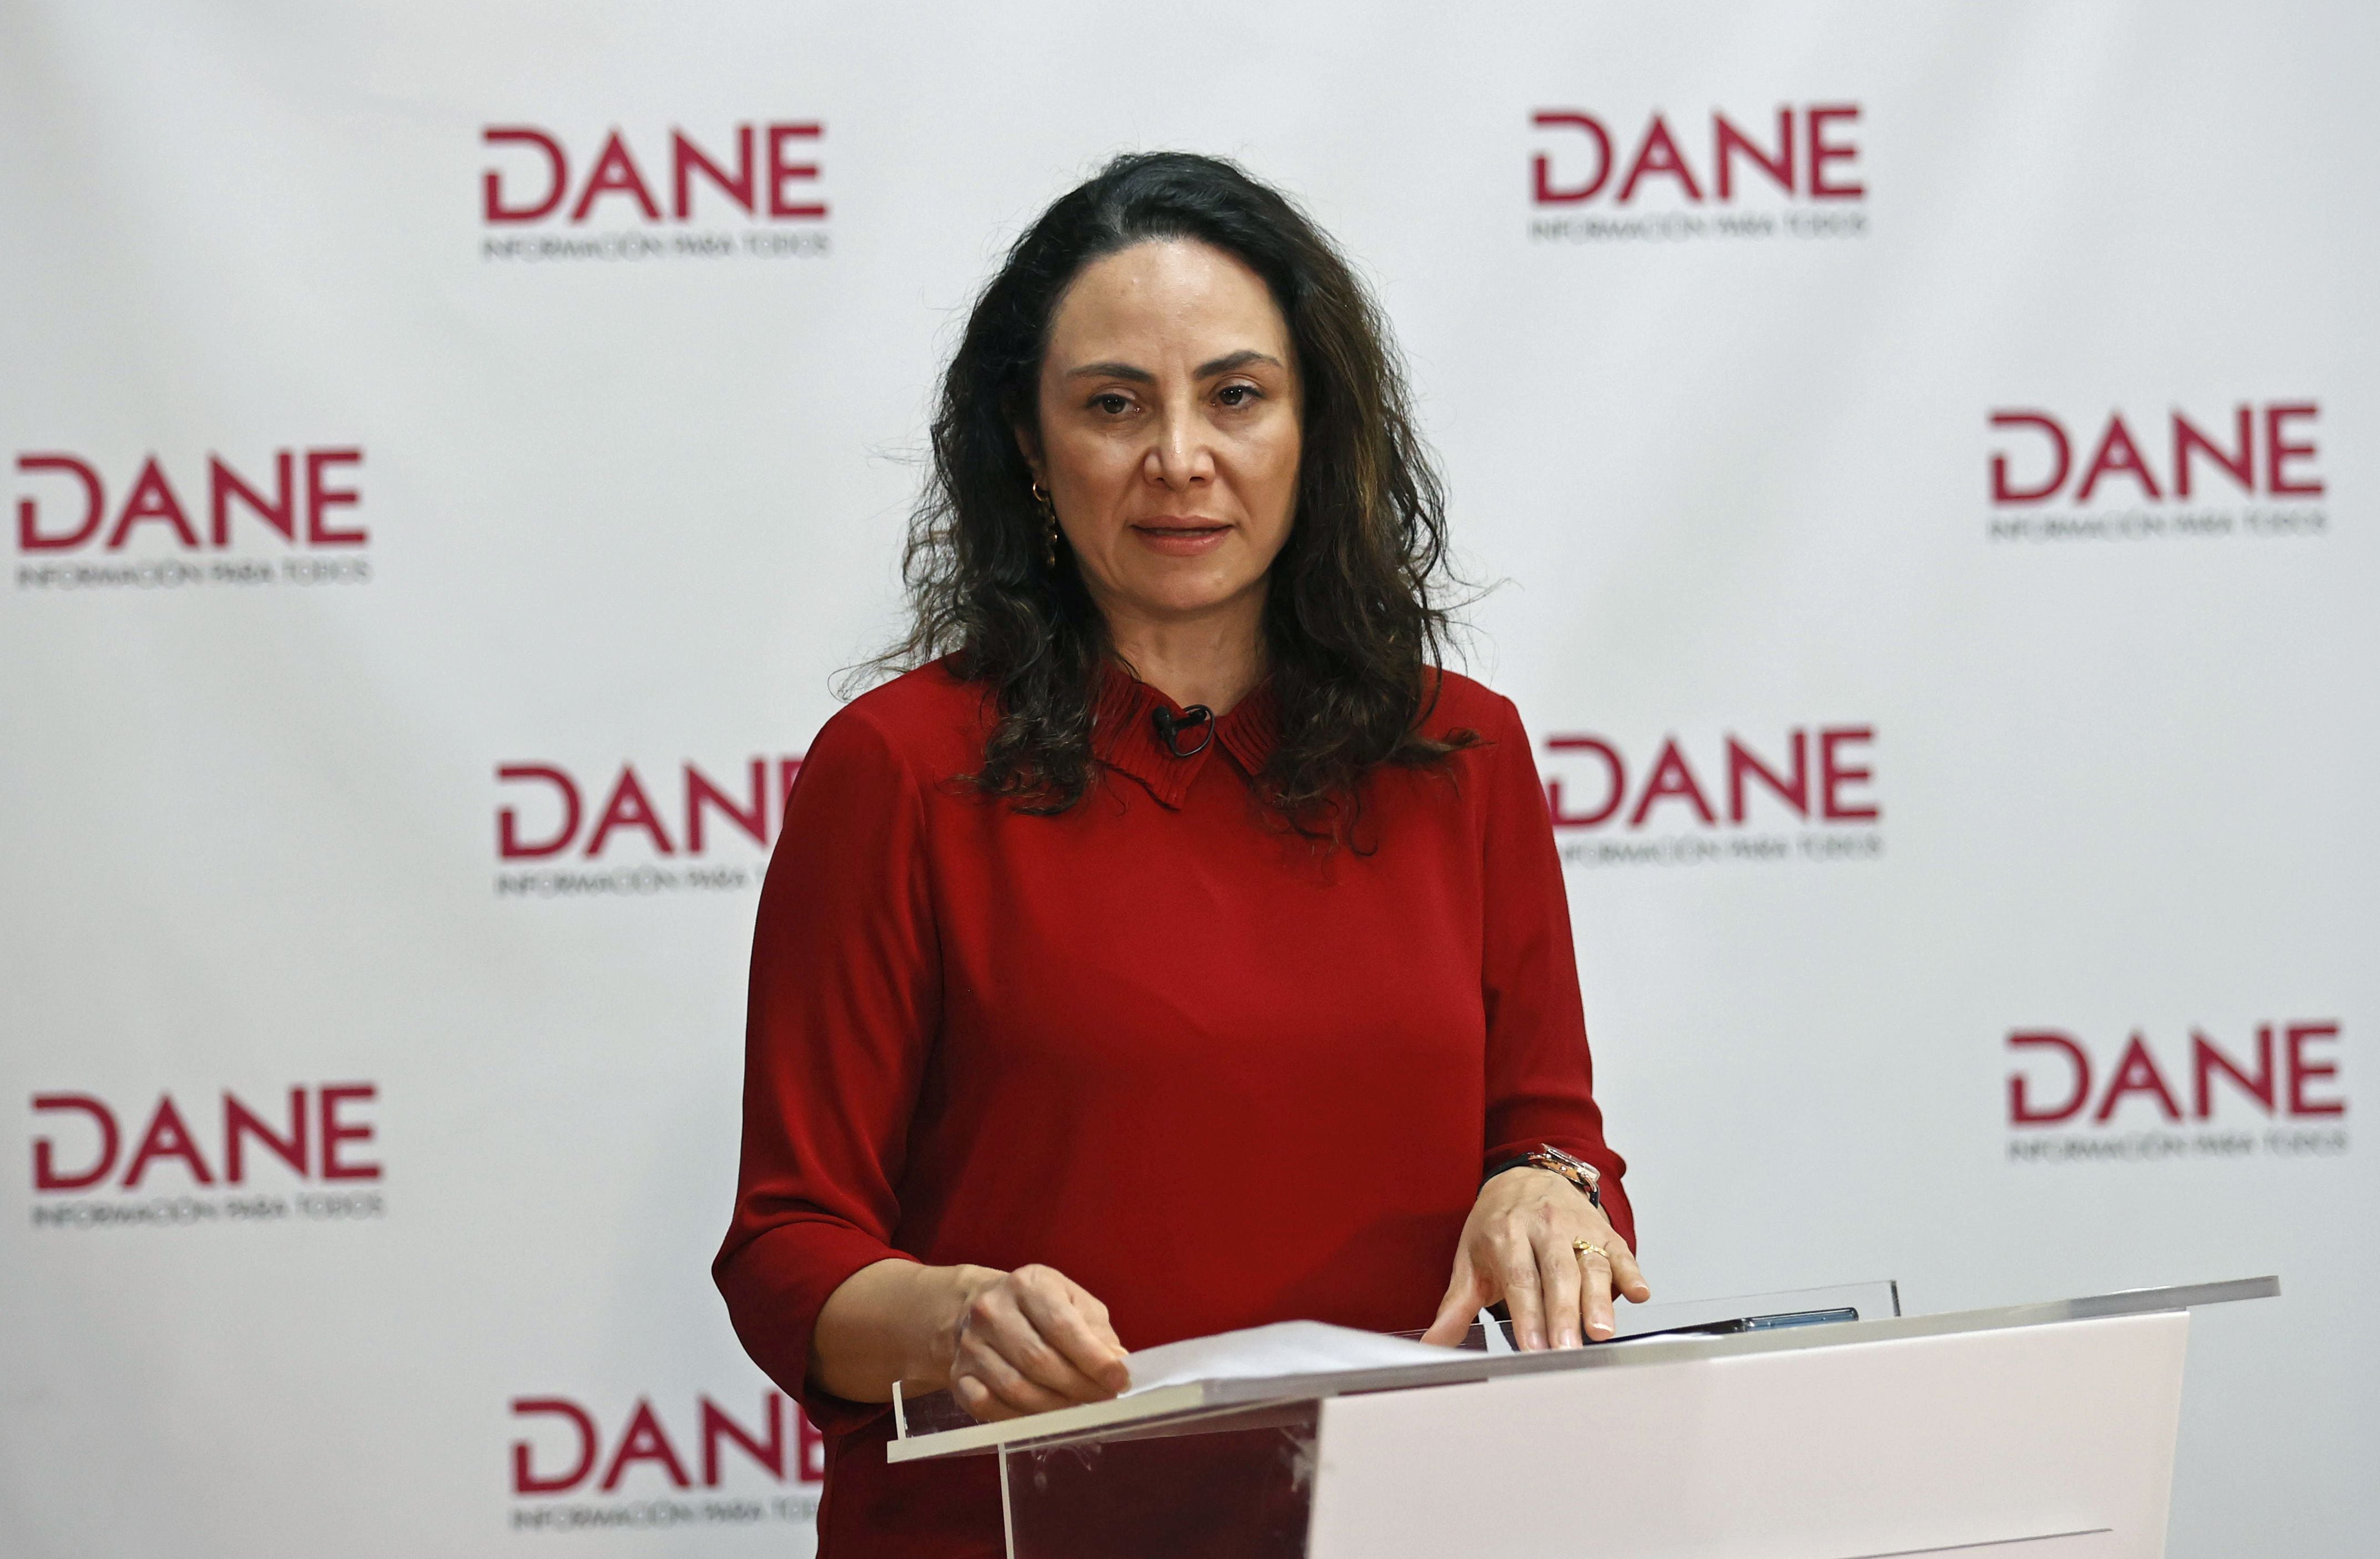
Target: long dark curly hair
<point x="1354" y="618"/>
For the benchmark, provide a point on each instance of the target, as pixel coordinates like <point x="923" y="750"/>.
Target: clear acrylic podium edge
<point x="1194" y="1397"/>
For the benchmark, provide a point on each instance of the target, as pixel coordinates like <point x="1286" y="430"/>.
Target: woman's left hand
<point x="1521" y="1245"/>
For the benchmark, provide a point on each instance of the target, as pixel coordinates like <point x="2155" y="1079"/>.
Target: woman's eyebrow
<point x="1229" y="362"/>
<point x="1112" y="370"/>
<point x="1232" y="362"/>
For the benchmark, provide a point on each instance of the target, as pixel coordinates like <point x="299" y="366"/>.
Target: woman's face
<point x="1169" y="429"/>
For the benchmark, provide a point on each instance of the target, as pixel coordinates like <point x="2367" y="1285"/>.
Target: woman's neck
<point x="1213" y="659"/>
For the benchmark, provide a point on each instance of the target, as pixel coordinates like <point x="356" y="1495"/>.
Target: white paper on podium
<point x="1286" y="1347"/>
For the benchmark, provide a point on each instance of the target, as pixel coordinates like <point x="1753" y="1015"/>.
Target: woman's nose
<point x="1180" y="457"/>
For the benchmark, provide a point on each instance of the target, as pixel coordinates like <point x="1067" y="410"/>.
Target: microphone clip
<point x="1170" y="727"/>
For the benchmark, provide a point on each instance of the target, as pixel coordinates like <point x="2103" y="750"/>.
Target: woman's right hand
<point x="1029" y="1341"/>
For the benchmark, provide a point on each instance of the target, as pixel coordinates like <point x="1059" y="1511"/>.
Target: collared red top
<point x="1125" y="737"/>
<point x="1217" y="1075"/>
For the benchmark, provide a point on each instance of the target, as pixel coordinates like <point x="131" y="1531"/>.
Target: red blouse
<point x="1216" y="1076"/>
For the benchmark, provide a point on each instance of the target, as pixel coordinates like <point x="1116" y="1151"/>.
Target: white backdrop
<point x="616" y="497"/>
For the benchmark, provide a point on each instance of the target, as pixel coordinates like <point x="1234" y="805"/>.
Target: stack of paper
<point x="1286" y="1347"/>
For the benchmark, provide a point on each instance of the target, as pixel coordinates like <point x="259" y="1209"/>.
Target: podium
<point x="2031" y="1432"/>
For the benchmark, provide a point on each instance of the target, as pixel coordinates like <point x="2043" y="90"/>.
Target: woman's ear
<point x="1029" y="444"/>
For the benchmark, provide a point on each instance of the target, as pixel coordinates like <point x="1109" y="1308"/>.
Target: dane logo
<point x="616" y="198"/>
<point x="632" y="1472"/>
<point x="613" y="833"/>
<point x="167" y="1164"/>
<point x="1814" y="784"/>
<point x="2276" y="1091"/>
<point x="302" y="517"/>
<point x="2254" y="471"/>
<point x="1595" y="178"/>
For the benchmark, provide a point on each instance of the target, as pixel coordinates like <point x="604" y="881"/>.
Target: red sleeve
<point x="846" y="999"/>
<point x="1540" y="1080"/>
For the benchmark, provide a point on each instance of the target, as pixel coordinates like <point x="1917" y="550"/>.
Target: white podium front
<point x="2037" y="1432"/>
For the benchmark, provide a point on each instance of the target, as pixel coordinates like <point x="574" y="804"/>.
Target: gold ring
<point x="1589" y="1247"/>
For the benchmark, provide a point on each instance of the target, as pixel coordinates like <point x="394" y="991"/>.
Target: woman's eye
<point x="1236" y="395"/>
<point x="1111" y="403"/>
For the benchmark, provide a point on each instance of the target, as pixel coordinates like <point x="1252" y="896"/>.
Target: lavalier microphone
<point x="1170" y="725"/>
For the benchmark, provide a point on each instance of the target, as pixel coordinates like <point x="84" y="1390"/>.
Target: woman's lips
<point x="1182" y="538"/>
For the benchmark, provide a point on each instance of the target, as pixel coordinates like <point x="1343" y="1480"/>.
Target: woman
<point x="1173" y="949"/>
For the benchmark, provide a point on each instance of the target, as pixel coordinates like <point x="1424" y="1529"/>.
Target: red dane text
<point x="1684" y="806"/>
<point x="2134" y="1100"/>
<point x="1590" y="783"/>
<point x="620" y="834"/>
<point x="1807" y="155"/>
<point x="564" y="1449"/>
<point x="62" y="504"/>
<point x="767" y="176"/>
<point x="548" y="812"/>
<point x="2263" y="451"/>
<point x="321" y="1133"/>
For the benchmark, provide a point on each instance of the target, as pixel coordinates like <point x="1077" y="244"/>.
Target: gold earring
<point x="1049" y="524"/>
